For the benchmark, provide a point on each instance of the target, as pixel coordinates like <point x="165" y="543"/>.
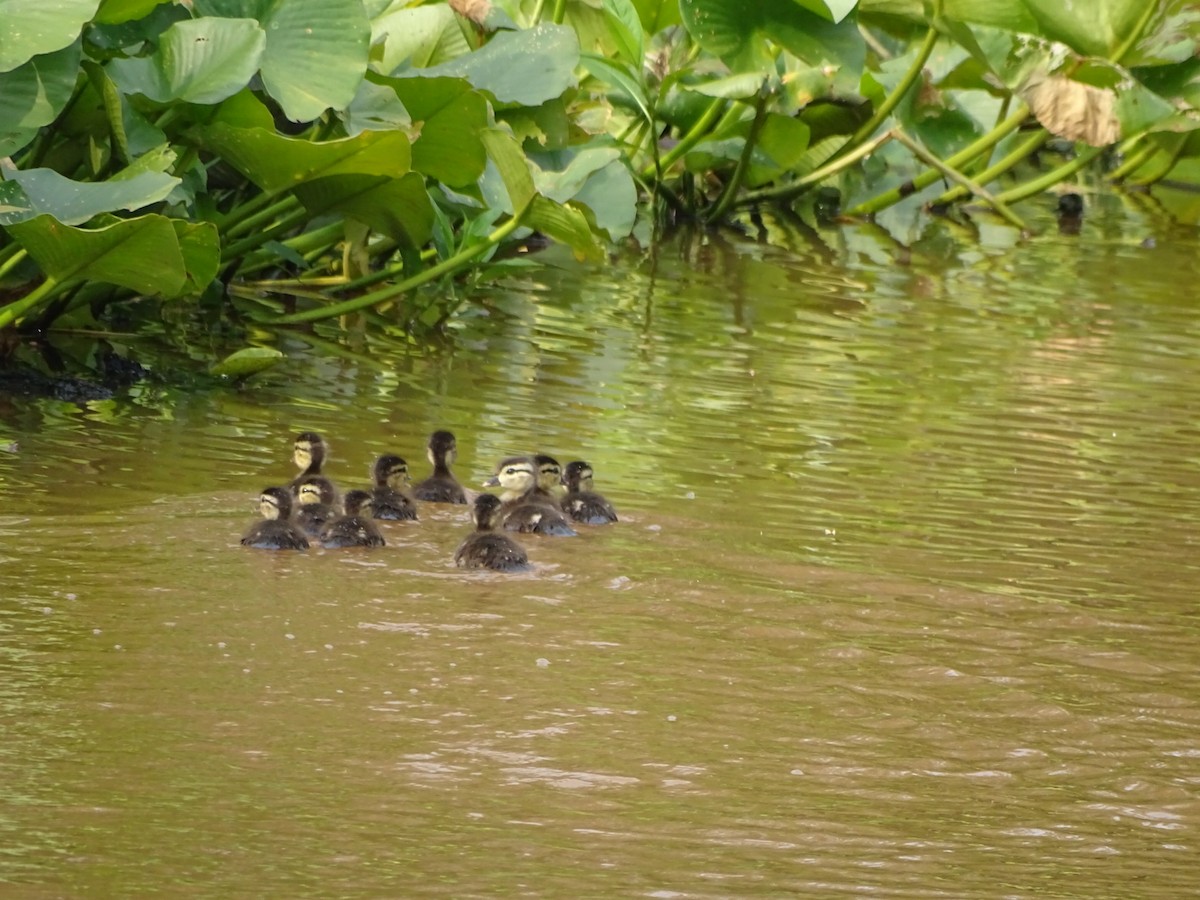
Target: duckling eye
<point x="511" y="470"/>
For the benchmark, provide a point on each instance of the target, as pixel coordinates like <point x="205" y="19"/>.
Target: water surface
<point x="902" y="602"/>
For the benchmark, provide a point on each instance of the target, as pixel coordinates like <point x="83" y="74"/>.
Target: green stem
<point x="1172" y="157"/>
<point x="698" y="132"/>
<point x="283" y="207"/>
<point x="893" y="99"/>
<point x="1133" y="162"/>
<point x="254" y="241"/>
<point x="1020" y="152"/>
<point x="1136" y="34"/>
<point x="957" y="161"/>
<point x="560" y="11"/>
<point x="973" y="186"/>
<point x="1020" y="192"/>
<point x="11" y="256"/>
<point x="395" y="290"/>
<point x="793" y="189"/>
<point x="732" y="186"/>
<point x="11" y="314"/>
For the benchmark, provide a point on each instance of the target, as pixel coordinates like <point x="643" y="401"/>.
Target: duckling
<point x="485" y="548"/>
<point x="318" y="501"/>
<point x="353" y="529"/>
<point x="441" y="486"/>
<point x="581" y="503"/>
<point x="275" y="531"/>
<point x="526" y="506"/>
<point x="308" y="453"/>
<point x="388" y="498"/>
<point x="550" y="490"/>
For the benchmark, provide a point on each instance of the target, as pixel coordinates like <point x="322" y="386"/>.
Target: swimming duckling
<point x="550" y="488"/>
<point x="485" y="548"/>
<point x="581" y="503"/>
<point x="527" y="507"/>
<point x="389" y="498"/>
<point x="308" y="453"/>
<point x="318" y="501"/>
<point x="441" y="486"/>
<point x="353" y="529"/>
<point x="275" y="531"/>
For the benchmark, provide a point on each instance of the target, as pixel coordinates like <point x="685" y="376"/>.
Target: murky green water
<point x="903" y="602"/>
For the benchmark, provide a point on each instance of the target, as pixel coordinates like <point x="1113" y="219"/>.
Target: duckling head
<point x="486" y="511"/>
<point x="391" y="471"/>
<point x="309" y="451"/>
<point x="577" y="476"/>
<point x="316" y="489"/>
<point x="442" y="446"/>
<point x="355" y="501"/>
<point x="516" y="475"/>
<point x="549" y="473"/>
<point x="275" y="503"/>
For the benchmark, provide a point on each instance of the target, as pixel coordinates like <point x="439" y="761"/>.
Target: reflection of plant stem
<point x="998" y="168"/>
<point x="973" y="186"/>
<point x="793" y="189"/>
<point x="725" y="202"/>
<point x="393" y="291"/>
<point x="1013" y="195"/>
<point x="957" y="161"/>
<point x="698" y="132"/>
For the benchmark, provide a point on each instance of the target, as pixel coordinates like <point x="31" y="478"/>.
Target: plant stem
<point x="247" y="218"/>
<point x="395" y="290"/>
<point x="14" y="253"/>
<point x="9" y="315"/>
<point x="793" y="189"/>
<point x="698" y="132"/>
<point x="254" y="241"/>
<point x="957" y="161"/>
<point x="998" y="168"/>
<point x="1133" y="162"/>
<point x="893" y="99"/>
<point x="560" y="11"/>
<point x="974" y="187"/>
<point x="1020" y="192"/>
<point x="725" y="202"/>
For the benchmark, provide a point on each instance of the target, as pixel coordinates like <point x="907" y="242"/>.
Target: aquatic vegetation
<point x="286" y="162"/>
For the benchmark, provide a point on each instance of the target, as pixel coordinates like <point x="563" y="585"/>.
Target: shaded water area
<point x="903" y="601"/>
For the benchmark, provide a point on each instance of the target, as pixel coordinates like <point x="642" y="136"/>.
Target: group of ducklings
<point x="537" y="496"/>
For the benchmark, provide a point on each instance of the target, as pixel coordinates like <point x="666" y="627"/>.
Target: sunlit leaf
<point x="1096" y="27"/>
<point x="75" y="202"/>
<point x="276" y="163"/>
<point x="418" y="35"/>
<point x="246" y="361"/>
<point x="626" y="30"/>
<point x="141" y="254"/>
<point x="505" y="154"/>
<point x="316" y="54"/>
<point x="526" y="67"/>
<point x="29" y="28"/>
<point x="197" y="61"/>
<point x="566" y="225"/>
<point x="114" y="12"/>
<point x="33" y="94"/>
<point x="450" y="116"/>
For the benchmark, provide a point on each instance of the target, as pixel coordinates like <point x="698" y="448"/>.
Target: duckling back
<point x="485" y="548"/>
<point x="353" y="529"/>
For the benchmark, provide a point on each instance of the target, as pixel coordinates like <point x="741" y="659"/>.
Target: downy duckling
<point x="308" y="453"/>
<point x="550" y="488"/>
<point x="581" y="503"/>
<point x="485" y="548"/>
<point x="275" y="531"/>
<point x="441" y="486"/>
<point x="526" y="507"/>
<point x="389" y="498"/>
<point x="318" y="501"/>
<point x="353" y="529"/>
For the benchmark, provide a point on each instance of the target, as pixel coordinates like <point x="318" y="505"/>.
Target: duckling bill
<point x="527" y="506"/>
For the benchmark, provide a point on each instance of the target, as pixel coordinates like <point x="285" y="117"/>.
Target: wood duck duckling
<point x="581" y="503"/>
<point x="389" y="497"/>
<point x="486" y="548"/>
<point x="309" y="452"/>
<point x="441" y="486"/>
<point x="353" y="529"/>
<point x="276" y="531"/>
<point x="550" y="490"/>
<point x="527" y="507"/>
<point x="318" y="503"/>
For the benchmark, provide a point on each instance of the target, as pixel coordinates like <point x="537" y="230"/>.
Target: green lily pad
<point x="246" y="362"/>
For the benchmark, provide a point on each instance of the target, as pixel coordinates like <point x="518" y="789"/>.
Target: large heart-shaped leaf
<point x="141" y="254"/>
<point x="397" y="207"/>
<point x="197" y="61"/>
<point x="33" y="94"/>
<point x="450" y="116"/>
<point x="316" y="54"/>
<point x="29" y="28"/>
<point x="417" y="35"/>
<point x="276" y="163"/>
<point x="75" y="202"/>
<point x="526" y="67"/>
<point x="1094" y="28"/>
